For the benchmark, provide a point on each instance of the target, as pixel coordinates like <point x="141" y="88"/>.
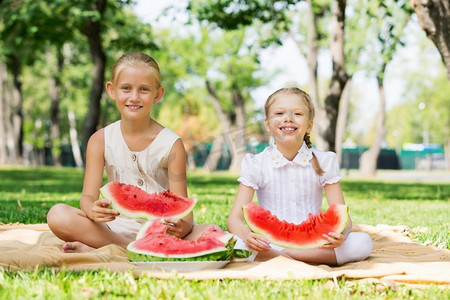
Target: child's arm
<point x="178" y="185"/>
<point x="96" y="209"/>
<point x="236" y="225"/>
<point x="334" y="195"/>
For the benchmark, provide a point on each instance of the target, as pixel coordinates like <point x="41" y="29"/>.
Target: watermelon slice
<point x="306" y="235"/>
<point x="152" y="227"/>
<point x="213" y="245"/>
<point x="134" y="202"/>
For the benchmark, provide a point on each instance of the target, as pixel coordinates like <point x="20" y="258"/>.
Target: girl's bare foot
<point x="76" y="247"/>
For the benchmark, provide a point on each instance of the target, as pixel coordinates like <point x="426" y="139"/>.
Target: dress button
<point x="140" y="182"/>
<point x="133" y="157"/>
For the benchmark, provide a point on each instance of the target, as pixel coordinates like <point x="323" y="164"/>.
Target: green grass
<point x="27" y="194"/>
<point x="48" y="284"/>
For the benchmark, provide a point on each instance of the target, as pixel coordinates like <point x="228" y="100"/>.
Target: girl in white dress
<point x="289" y="178"/>
<point x="135" y="150"/>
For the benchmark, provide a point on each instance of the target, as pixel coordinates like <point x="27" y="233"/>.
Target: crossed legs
<point x="81" y="233"/>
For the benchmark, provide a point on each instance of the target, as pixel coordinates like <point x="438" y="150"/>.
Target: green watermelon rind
<point x="216" y="254"/>
<point x="105" y="194"/>
<point x="342" y="210"/>
<point x="242" y="253"/>
<point x="140" y="257"/>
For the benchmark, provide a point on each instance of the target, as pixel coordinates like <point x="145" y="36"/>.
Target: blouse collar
<point x="302" y="158"/>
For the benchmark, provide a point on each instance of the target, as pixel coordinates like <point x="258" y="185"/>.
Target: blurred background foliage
<point x="55" y="57"/>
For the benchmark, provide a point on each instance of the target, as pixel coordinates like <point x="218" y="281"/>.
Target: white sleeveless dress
<point x="146" y="169"/>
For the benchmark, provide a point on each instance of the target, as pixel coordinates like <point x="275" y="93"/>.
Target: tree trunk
<point x="212" y="161"/>
<point x="92" y="30"/>
<point x="17" y="113"/>
<point x="434" y="18"/>
<point x="447" y="154"/>
<point x="326" y="115"/>
<point x="191" y="165"/>
<point x="311" y="58"/>
<point x="55" y="86"/>
<point x="74" y="140"/>
<point x="3" y="137"/>
<point x="341" y="123"/>
<point x="339" y="76"/>
<point x="369" y="159"/>
<point x="10" y="139"/>
<point x="238" y="140"/>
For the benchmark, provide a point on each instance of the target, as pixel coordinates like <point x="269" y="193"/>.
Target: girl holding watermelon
<point x="135" y="150"/>
<point x="289" y="178"/>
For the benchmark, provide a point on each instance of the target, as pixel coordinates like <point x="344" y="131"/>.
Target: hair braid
<point x="307" y="140"/>
<point x="315" y="162"/>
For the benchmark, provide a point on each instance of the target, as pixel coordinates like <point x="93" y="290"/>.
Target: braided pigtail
<point x="315" y="162"/>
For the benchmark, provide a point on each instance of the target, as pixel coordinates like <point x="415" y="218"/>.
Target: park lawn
<point x="26" y="194"/>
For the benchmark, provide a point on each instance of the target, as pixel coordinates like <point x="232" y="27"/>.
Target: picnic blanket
<point x="395" y="258"/>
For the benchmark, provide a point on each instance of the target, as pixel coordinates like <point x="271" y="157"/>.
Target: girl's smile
<point x="133" y="107"/>
<point x="288" y="129"/>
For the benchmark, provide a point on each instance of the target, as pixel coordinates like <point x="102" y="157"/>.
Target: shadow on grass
<point x="359" y="189"/>
<point x="395" y="191"/>
<point x="62" y="180"/>
<point x="26" y="211"/>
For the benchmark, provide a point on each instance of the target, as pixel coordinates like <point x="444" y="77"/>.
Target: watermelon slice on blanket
<point x="153" y="244"/>
<point x="134" y="202"/>
<point x="305" y="235"/>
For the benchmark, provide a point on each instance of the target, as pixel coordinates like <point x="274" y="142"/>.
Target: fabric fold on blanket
<point x="395" y="257"/>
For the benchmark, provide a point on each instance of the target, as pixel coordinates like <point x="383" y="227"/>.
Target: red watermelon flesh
<point x="305" y="235"/>
<point x="134" y="202"/>
<point x="213" y="244"/>
<point x="152" y="227"/>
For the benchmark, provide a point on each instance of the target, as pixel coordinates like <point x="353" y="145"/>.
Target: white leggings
<point x="357" y="246"/>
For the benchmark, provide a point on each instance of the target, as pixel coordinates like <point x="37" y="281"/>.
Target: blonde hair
<point x="311" y="113"/>
<point x="133" y="59"/>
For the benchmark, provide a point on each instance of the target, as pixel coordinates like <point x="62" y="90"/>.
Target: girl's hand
<point x="178" y="227"/>
<point x="335" y="240"/>
<point x="256" y="242"/>
<point x="102" y="213"/>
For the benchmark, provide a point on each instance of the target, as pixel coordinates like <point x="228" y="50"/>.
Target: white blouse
<point x="291" y="190"/>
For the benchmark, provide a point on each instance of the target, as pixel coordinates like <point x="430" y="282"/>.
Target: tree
<point x="3" y="132"/>
<point x="91" y="27"/>
<point x="36" y="27"/>
<point x="388" y="24"/>
<point x="233" y="14"/>
<point x="433" y="17"/>
<point x="423" y="115"/>
<point x="24" y="33"/>
<point x="223" y="64"/>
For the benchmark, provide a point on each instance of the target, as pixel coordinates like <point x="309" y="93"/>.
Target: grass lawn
<point x="27" y="194"/>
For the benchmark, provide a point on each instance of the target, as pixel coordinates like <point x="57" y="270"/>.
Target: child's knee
<point x="356" y="247"/>
<point x="57" y="216"/>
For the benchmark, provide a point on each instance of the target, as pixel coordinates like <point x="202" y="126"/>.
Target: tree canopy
<point x="56" y="56"/>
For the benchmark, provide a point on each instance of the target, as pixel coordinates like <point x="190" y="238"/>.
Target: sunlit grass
<point x="49" y="284"/>
<point x="27" y="194"/>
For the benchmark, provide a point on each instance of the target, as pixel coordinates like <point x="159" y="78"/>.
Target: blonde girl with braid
<point x="289" y="178"/>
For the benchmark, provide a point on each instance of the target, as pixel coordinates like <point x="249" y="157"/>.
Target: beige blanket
<point x="394" y="258"/>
